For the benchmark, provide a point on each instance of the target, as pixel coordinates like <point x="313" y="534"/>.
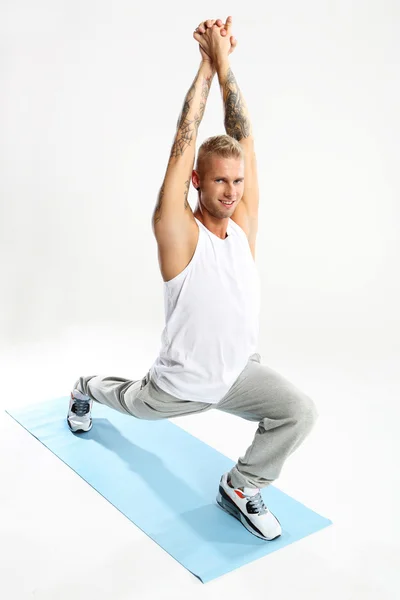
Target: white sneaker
<point x="248" y="507"/>
<point x="79" y="416"/>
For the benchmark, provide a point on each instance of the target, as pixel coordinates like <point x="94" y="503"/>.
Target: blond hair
<point x="224" y="146"/>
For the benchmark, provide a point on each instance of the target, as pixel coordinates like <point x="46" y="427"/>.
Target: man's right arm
<point x="172" y="198"/>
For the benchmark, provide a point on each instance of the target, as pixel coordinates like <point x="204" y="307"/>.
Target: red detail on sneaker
<point x="239" y="493"/>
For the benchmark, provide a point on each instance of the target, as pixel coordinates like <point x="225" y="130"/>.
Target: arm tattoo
<point x="157" y="212"/>
<point x="183" y="139"/>
<point x="205" y="90"/>
<point x="186" y="105"/>
<point x="236" y="123"/>
<point x="187" y="184"/>
<point x="187" y="127"/>
<point x="184" y="126"/>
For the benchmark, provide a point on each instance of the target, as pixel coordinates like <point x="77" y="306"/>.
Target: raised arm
<point x="236" y="115"/>
<point x="172" y="199"/>
<point x="237" y="124"/>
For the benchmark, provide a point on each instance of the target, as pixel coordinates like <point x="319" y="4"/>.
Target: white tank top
<point x="211" y="318"/>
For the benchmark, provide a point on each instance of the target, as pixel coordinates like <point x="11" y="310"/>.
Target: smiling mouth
<point x="227" y="204"/>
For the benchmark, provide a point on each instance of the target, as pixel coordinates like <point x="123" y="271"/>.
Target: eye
<point x="236" y="181"/>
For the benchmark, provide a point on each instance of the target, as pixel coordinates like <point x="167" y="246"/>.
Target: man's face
<point x="222" y="180"/>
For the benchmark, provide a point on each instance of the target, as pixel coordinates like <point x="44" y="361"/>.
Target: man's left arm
<point x="237" y="125"/>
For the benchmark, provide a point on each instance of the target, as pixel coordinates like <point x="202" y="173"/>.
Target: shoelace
<point x="256" y="504"/>
<point x="80" y="407"/>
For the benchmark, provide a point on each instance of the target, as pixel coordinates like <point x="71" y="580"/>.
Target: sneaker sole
<point x="76" y="429"/>
<point x="228" y="506"/>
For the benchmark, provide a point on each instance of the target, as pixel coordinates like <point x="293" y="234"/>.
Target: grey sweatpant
<point x="285" y="415"/>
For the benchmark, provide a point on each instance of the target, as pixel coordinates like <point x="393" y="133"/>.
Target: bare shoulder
<point x="248" y="223"/>
<point x="176" y="240"/>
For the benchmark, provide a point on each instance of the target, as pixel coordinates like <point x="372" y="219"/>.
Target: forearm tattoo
<point x="205" y="90"/>
<point x="236" y="122"/>
<point x="187" y="126"/>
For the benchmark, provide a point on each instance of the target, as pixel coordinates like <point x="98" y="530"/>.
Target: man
<point x="208" y="357"/>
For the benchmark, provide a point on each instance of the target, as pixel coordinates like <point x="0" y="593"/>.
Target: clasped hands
<point x="215" y="39"/>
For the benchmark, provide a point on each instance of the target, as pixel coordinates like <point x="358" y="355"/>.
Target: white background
<point x="90" y="95"/>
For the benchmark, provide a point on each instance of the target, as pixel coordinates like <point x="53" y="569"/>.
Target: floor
<point x="62" y="539"/>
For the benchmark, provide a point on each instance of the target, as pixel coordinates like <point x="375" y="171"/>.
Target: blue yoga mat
<point x="165" y="481"/>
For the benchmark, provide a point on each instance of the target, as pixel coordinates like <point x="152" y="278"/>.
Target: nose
<point x="230" y="193"/>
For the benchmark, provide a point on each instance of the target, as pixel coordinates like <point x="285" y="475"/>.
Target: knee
<point x="304" y="411"/>
<point x="82" y="384"/>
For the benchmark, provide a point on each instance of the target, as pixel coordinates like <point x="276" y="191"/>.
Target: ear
<point x="195" y="179"/>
